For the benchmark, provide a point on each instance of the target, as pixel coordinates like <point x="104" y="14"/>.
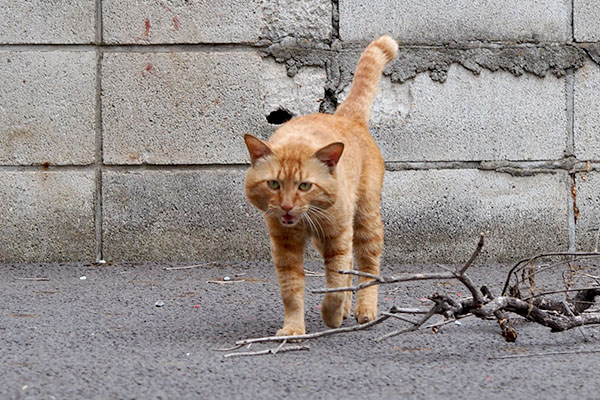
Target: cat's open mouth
<point x="289" y="219"/>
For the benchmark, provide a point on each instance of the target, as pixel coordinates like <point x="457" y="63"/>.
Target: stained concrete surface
<point x="103" y="337"/>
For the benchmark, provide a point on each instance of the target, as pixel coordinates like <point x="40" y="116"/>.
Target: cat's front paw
<point x="291" y="330"/>
<point x="364" y="314"/>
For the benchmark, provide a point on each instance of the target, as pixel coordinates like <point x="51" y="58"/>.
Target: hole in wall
<point x="279" y="116"/>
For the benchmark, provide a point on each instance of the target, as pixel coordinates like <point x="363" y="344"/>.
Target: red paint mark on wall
<point x="147" y="24"/>
<point x="148" y="69"/>
<point x="176" y="23"/>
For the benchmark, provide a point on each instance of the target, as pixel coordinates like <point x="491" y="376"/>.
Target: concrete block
<point x="588" y="204"/>
<point x="42" y="21"/>
<point x="429" y="216"/>
<point x="47" y="216"/>
<point x="586" y="117"/>
<point x="47" y="111"/>
<point x="435" y="21"/>
<point x="181" y="216"/>
<point x="437" y="215"/>
<point x="586" y="20"/>
<point x="193" y="108"/>
<point x="182" y="21"/>
<point x="491" y="116"/>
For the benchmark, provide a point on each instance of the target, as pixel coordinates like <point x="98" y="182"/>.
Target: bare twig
<point x="361" y="273"/>
<point x="473" y="256"/>
<point x="279" y="349"/>
<point x="447" y="321"/>
<point x="231" y="281"/>
<point x="315" y="334"/>
<point x="553" y="353"/>
<point x="385" y="280"/>
<point x="186" y="267"/>
<point x="397" y="310"/>
<point x="33" y="279"/>
<point x="379" y="280"/>
<point x="237" y="346"/>
<point x="400" y="318"/>
<point x="541" y="255"/>
<point x="561" y="291"/>
<point x="434" y="310"/>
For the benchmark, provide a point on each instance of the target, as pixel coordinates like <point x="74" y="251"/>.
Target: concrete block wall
<point x="121" y="123"/>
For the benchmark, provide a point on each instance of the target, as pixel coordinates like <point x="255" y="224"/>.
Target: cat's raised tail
<point x="366" y="79"/>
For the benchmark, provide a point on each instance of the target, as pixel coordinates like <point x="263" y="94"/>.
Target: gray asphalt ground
<point x="103" y="338"/>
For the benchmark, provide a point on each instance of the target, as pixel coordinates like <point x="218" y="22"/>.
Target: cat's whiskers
<point x="321" y="213"/>
<point x="311" y="224"/>
<point x="319" y="231"/>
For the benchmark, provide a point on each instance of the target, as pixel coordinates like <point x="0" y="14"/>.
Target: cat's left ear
<point x="330" y="155"/>
<point x="257" y="148"/>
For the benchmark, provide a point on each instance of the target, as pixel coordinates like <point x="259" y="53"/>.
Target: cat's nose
<point x="286" y="207"/>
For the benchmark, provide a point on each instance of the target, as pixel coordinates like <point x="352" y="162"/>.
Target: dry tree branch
<point x="556" y="322"/>
<point x="557" y="315"/>
<point x="379" y="280"/>
<point x="529" y="260"/>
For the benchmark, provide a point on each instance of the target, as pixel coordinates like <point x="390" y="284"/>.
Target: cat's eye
<point x="304" y="186"/>
<point x="273" y="185"/>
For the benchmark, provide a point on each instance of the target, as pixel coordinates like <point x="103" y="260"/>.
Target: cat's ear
<point x="257" y="148"/>
<point x="330" y="154"/>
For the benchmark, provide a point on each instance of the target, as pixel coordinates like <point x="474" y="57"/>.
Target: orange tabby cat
<point x="320" y="176"/>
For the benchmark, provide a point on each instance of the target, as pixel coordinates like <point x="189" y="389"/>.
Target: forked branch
<point x="558" y="315"/>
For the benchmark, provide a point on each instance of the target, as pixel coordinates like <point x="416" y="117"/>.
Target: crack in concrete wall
<point x="339" y="61"/>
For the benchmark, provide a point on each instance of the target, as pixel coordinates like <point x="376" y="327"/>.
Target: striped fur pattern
<point x="319" y="178"/>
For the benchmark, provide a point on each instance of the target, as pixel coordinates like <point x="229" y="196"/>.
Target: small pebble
<point x="159" y="303"/>
<point x="227" y="278"/>
<point x="457" y="323"/>
<point x="101" y="262"/>
<point x="82" y="278"/>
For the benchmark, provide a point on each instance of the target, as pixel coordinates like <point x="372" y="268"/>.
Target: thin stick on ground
<point x="33" y="279"/>
<point x="186" y="267"/>
<point x="400" y="318"/>
<point x="553" y="353"/>
<point x="279" y="349"/>
<point x="227" y="282"/>
<point x="400" y="310"/>
<point x="413" y="328"/>
<point x="232" y="348"/>
<point x="315" y="334"/>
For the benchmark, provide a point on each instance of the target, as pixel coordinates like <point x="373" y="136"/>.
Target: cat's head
<point x="292" y="182"/>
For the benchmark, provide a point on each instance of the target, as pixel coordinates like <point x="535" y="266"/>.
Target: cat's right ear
<point x="257" y="148"/>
